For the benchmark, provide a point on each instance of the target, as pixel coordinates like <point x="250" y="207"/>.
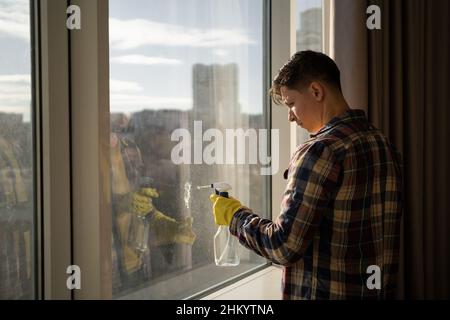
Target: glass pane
<point x="194" y="66"/>
<point x="16" y="153"/>
<point x="309" y="37"/>
<point x="309" y="25"/>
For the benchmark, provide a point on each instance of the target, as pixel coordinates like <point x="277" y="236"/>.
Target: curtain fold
<point x="408" y="100"/>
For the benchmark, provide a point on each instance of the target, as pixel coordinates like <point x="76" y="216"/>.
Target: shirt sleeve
<point x="312" y="178"/>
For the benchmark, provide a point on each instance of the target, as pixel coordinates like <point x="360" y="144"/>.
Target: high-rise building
<point x="216" y="104"/>
<point x="216" y="95"/>
<point x="309" y="35"/>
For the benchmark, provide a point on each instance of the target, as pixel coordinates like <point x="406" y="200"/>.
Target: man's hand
<point x="149" y="192"/>
<point x="224" y="209"/>
<point x="169" y="230"/>
<point x="142" y="203"/>
<point x="185" y="233"/>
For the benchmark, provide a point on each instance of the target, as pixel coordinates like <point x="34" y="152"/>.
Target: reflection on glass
<point x="16" y="166"/>
<point x="309" y="25"/>
<point x="309" y="37"/>
<point x="199" y="61"/>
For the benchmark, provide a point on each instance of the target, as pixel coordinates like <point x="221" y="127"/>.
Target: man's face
<point x="303" y="106"/>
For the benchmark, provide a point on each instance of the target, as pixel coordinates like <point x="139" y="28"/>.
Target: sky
<point x="153" y="46"/>
<point x="15" y="65"/>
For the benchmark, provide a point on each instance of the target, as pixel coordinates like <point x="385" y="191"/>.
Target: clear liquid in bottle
<point x="139" y="233"/>
<point x="225" y="248"/>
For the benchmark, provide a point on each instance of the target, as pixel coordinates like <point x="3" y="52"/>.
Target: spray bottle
<point x="225" y="245"/>
<point x="139" y="225"/>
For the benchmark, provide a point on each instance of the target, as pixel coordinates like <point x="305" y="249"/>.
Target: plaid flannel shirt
<point x="340" y="214"/>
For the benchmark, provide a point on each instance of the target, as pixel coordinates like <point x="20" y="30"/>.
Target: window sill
<point x="170" y="288"/>
<point x="263" y="285"/>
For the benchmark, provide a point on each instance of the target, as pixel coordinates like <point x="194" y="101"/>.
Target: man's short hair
<point x="303" y="68"/>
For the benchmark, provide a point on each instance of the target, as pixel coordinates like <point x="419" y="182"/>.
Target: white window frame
<point x="90" y="153"/>
<point x="283" y="45"/>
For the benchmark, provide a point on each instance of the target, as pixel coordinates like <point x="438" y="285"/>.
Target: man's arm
<point x="313" y="177"/>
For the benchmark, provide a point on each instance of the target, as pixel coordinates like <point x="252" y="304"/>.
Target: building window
<point x="17" y="251"/>
<point x="180" y="65"/>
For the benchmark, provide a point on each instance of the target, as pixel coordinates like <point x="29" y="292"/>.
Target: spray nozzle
<point x="221" y="188"/>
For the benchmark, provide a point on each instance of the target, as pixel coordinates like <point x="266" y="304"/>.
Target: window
<point x="180" y="65"/>
<point x="309" y="25"/>
<point x="17" y="248"/>
<point x="309" y="36"/>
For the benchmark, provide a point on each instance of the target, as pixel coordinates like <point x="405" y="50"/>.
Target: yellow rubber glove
<point x="224" y="209"/>
<point x="185" y="232"/>
<point x="169" y="230"/>
<point x="142" y="203"/>
<point x="149" y="192"/>
<point x="164" y="228"/>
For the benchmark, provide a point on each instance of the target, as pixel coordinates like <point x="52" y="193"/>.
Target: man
<point x="134" y="211"/>
<point x="340" y="215"/>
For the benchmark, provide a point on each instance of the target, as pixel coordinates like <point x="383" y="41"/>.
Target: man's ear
<point x="317" y="90"/>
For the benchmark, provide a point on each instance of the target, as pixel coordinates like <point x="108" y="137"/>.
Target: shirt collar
<point x="349" y="115"/>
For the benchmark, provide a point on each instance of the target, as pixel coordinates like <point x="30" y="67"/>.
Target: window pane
<point x="309" y="25"/>
<point x="16" y="153"/>
<point x="192" y="65"/>
<point x="309" y="37"/>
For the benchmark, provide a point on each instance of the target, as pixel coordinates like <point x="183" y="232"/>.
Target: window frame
<point x="51" y="119"/>
<point x="282" y="49"/>
<point x="72" y="190"/>
<point x="90" y="87"/>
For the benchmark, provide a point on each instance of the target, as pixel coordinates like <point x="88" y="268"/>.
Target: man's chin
<point x="301" y="125"/>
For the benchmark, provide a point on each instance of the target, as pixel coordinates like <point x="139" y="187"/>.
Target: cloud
<point x="126" y="96"/>
<point x="144" y="60"/>
<point x="15" y="90"/>
<point x="15" y="19"/>
<point x="136" y="33"/>
<point x="221" y="52"/>
<point x="134" y="102"/>
<point x="15" y="78"/>
<point x="15" y="94"/>
<point x="120" y="86"/>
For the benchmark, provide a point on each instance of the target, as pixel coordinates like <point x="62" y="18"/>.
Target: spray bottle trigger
<point x="222" y="193"/>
